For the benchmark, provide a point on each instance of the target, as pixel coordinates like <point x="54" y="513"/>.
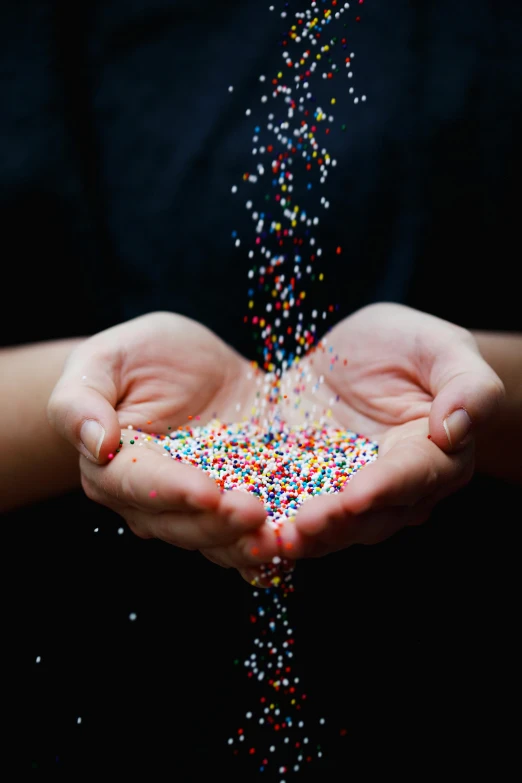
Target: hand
<point x="418" y="386"/>
<point x="153" y="374"/>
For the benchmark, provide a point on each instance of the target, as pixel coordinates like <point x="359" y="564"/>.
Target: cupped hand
<point x="154" y="374"/>
<point x="419" y="387"/>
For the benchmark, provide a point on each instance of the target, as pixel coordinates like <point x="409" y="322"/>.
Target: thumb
<point x="467" y="393"/>
<point x="82" y="405"/>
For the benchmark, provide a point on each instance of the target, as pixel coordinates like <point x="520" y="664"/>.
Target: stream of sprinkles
<point x="286" y="465"/>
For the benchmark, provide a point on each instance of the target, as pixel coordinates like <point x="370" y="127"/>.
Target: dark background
<point x="119" y="143"/>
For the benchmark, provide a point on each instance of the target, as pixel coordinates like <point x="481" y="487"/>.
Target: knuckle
<point x="90" y="489"/>
<point x="127" y="490"/>
<point x="138" y="530"/>
<point x="497" y="391"/>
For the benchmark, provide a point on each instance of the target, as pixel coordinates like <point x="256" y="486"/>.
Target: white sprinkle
<point x="38" y="659"/>
<point x="133" y="616"/>
<point x="78" y="720"/>
<point x="120" y="531"/>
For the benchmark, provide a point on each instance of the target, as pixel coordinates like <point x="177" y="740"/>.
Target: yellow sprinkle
<point x="321" y="276"/>
<point x="251" y="304"/>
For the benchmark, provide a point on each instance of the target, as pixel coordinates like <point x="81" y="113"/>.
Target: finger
<point x="253" y="549"/>
<point x="467" y="393"/>
<point x="210" y="555"/>
<point x="245" y="509"/>
<point x="412" y="470"/>
<point x="82" y="405"/>
<point x="336" y="529"/>
<point x="152" y="482"/>
<point x="197" y="530"/>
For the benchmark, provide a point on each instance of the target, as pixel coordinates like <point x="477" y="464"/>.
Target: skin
<point x="153" y="373"/>
<point x="406" y="372"/>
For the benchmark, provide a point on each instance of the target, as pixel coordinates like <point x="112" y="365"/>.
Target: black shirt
<point x="120" y="143"/>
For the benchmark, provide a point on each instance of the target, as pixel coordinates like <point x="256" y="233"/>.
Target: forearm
<point x="498" y="447"/>
<point x="35" y="462"/>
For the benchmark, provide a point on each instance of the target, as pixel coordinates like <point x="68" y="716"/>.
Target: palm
<point x="171" y="369"/>
<point x="378" y="384"/>
<point x="391" y="374"/>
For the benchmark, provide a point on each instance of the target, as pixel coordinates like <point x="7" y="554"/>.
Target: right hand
<point x="152" y="374"/>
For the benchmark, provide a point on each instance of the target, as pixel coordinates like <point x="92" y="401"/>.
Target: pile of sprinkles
<point x="282" y="465"/>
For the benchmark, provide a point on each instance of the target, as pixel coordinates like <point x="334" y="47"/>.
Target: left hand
<point x="419" y="387"/>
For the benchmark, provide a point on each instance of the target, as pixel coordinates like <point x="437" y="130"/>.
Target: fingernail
<point x="92" y="435"/>
<point x="457" y="426"/>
